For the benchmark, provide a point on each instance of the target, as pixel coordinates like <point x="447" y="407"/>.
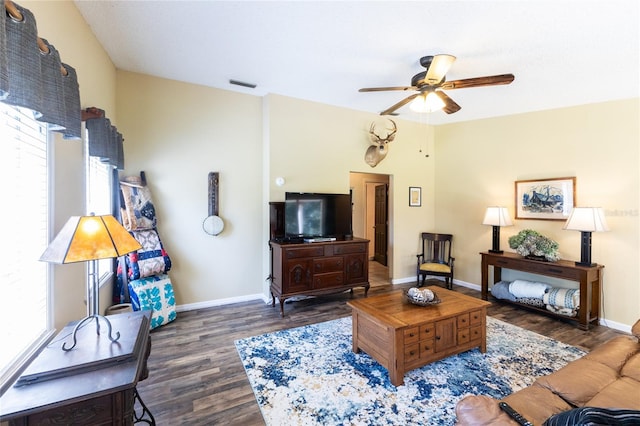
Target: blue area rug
<point x="310" y="375"/>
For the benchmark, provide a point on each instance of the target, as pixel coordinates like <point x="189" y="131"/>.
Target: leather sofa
<point x="606" y="377"/>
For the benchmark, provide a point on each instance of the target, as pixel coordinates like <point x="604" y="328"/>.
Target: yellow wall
<point x="62" y="25"/>
<point x="479" y="161"/>
<point x="178" y="133"/>
<point x="315" y="146"/>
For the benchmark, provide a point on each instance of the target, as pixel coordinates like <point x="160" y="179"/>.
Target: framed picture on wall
<point x="546" y="199"/>
<point x="415" y="196"/>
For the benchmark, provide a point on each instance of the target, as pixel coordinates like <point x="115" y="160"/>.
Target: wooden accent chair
<point x="435" y="258"/>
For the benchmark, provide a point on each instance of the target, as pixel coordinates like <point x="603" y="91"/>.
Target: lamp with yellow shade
<point x="90" y="238"/>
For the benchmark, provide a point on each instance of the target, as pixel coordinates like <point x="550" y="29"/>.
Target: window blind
<point x="24" y="305"/>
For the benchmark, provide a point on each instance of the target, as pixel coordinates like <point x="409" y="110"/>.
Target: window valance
<point x="32" y="74"/>
<point x="104" y="139"/>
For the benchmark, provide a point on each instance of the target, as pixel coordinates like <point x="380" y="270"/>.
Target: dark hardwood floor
<point x="195" y="373"/>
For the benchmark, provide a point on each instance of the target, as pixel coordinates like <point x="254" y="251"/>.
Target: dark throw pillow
<point x="587" y="416"/>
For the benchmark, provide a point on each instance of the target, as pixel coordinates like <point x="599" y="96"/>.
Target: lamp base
<point x="586" y="264"/>
<point x="84" y="321"/>
<point x="496" y="251"/>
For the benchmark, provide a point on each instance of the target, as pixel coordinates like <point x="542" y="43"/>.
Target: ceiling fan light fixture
<point x="428" y="102"/>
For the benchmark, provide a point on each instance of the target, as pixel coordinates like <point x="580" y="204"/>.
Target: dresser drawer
<point x="463" y="336"/>
<point x="475" y="318"/>
<point x="411" y="352"/>
<point x="427" y="331"/>
<point x="328" y="264"/>
<point x="555" y="271"/>
<point x="463" y="320"/>
<point x="411" y="335"/>
<point x="298" y="252"/>
<point x="349" y="248"/>
<point x="475" y="332"/>
<point x="427" y="348"/>
<point x="332" y="279"/>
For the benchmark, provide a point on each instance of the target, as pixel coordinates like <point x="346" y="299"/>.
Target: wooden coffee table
<point x="402" y="336"/>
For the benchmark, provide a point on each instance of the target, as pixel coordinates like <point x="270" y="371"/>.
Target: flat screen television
<point x="308" y="215"/>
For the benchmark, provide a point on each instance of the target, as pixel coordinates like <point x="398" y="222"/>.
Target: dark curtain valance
<point x="32" y="75"/>
<point x="4" y="73"/>
<point x="104" y="140"/>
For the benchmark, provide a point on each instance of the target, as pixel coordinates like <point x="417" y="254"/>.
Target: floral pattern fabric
<point x="155" y="293"/>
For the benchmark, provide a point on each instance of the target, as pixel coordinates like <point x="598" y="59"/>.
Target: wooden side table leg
<point x="585" y="300"/>
<point x="485" y="278"/>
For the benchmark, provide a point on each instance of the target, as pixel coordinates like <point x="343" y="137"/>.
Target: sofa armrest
<point x="481" y="410"/>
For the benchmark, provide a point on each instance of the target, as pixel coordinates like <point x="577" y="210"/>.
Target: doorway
<point x="371" y="220"/>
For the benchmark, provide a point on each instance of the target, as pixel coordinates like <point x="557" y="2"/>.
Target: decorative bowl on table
<point x="422" y="297"/>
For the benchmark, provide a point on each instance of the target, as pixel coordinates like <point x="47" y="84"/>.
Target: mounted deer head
<point x="379" y="139"/>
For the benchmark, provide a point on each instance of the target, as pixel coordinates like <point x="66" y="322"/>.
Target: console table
<point x="312" y="269"/>
<point x="588" y="277"/>
<point x="94" y="385"/>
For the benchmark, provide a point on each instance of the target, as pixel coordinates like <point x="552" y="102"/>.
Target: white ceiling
<point x="562" y="52"/>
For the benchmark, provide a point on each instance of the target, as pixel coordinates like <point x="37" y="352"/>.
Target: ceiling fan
<point x="430" y="85"/>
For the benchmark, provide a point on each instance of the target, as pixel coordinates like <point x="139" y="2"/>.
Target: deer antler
<point x="377" y="139"/>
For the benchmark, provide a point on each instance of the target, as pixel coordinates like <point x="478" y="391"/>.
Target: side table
<point x="94" y="385"/>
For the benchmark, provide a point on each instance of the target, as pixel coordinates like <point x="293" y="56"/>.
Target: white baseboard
<point x="221" y="302"/>
<point x="408" y="280"/>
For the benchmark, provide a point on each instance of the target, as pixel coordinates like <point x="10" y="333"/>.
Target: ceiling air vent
<point x="243" y="84"/>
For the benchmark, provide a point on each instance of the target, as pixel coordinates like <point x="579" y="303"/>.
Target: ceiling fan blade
<point x="403" y="102"/>
<point x="450" y="106"/>
<point x="438" y="68"/>
<point x="383" y="89"/>
<point x="491" y="80"/>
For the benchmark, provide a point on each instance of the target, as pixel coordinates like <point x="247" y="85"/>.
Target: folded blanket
<point x="562" y="311"/>
<point x="563" y="298"/>
<point x="500" y="290"/>
<point x="528" y="289"/>
<point x="531" y="301"/>
<point x="155" y="293"/>
<point x="151" y="259"/>
<point x="136" y="207"/>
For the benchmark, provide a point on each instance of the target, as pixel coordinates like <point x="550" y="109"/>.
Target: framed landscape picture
<point x="546" y="199"/>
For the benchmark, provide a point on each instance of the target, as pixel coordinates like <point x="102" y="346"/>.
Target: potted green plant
<point x="533" y="245"/>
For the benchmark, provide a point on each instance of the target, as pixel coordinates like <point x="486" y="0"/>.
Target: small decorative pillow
<point x="155" y="293"/>
<point x="151" y="259"/>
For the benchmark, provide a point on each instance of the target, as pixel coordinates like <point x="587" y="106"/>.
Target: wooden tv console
<point x="588" y="277"/>
<point x="313" y="269"/>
